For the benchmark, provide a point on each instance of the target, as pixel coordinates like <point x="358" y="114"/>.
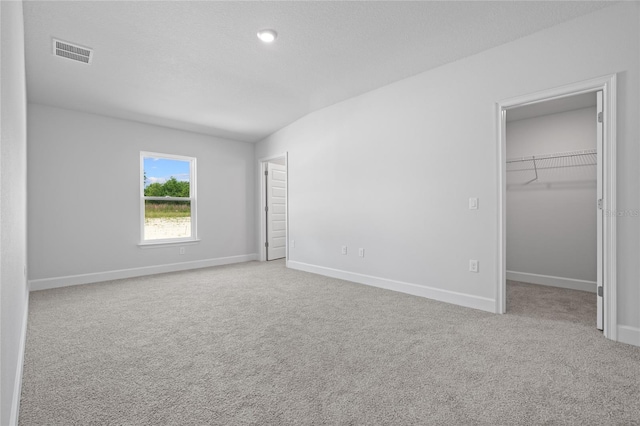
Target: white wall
<point x="551" y="222"/>
<point x="13" y="213"/>
<point x="84" y="216"/>
<point x="391" y="170"/>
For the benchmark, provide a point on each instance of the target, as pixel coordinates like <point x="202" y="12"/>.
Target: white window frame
<point x="192" y="198"/>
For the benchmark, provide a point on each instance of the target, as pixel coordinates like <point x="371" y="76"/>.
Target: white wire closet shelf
<point x="537" y="163"/>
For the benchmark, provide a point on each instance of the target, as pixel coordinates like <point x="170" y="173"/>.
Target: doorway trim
<point x="262" y="214"/>
<point x="608" y="86"/>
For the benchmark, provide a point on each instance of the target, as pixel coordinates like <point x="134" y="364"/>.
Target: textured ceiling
<point x="555" y="106"/>
<point x="199" y="65"/>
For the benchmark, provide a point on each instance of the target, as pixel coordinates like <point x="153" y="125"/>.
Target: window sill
<point x="161" y="244"/>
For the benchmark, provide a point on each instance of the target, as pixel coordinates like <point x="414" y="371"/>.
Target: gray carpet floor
<point x="258" y="344"/>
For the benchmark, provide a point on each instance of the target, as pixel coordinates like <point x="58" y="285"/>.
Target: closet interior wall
<point x="551" y="199"/>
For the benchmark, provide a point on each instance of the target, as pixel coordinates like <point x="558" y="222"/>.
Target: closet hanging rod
<point x="558" y="155"/>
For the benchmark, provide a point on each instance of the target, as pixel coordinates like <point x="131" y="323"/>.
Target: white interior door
<point x="599" y="212"/>
<point x="276" y="208"/>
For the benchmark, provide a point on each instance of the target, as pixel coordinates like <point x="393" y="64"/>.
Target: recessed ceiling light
<point x="267" y="36"/>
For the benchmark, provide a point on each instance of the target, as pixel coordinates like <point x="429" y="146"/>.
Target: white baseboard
<point x="466" y="300"/>
<point x="17" y="385"/>
<point x="629" y="335"/>
<point x="551" y="281"/>
<point x="47" y="283"/>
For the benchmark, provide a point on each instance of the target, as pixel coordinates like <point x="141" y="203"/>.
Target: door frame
<point x="262" y="214"/>
<point x="607" y="84"/>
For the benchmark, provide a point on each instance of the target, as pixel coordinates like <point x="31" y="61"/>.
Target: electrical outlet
<point x="183" y="250"/>
<point x="344" y="249"/>
<point x="361" y="252"/>
<point x="474" y="265"/>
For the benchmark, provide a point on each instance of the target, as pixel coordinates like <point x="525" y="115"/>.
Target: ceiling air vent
<point x="72" y="51"/>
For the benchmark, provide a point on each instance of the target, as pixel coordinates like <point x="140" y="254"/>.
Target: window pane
<point x="167" y="219"/>
<point x="165" y="177"/>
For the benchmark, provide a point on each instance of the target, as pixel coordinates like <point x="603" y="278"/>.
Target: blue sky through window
<point x="161" y="169"/>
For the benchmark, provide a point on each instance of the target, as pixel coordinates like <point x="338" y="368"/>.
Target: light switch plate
<point x="473" y="203"/>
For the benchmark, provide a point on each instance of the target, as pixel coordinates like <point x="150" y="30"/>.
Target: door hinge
<point x="600" y="203"/>
<point x="266" y="172"/>
<point x="266" y="208"/>
<point x="600" y="291"/>
<point x="266" y="244"/>
<point x="600" y="117"/>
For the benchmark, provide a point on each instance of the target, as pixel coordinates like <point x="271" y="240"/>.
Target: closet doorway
<point x="273" y="208"/>
<point x="552" y="192"/>
<point x="557" y="192"/>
